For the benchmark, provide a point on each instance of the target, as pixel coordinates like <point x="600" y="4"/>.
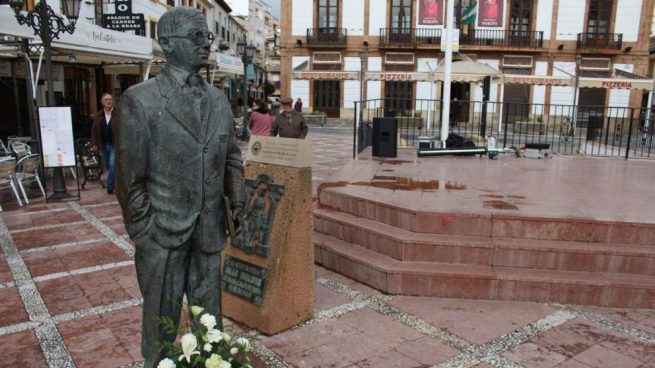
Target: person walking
<point x="102" y="138"/>
<point x="289" y="123"/>
<point x="260" y="121"/>
<point x="298" y="105"/>
<point x="179" y="176"/>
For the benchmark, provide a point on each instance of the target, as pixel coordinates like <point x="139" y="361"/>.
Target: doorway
<point x="327" y="97"/>
<point x="398" y="97"/>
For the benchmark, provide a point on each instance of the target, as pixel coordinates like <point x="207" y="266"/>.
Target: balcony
<point x="326" y="36"/>
<point x="417" y="37"/>
<point x="600" y="41"/>
<point x="501" y="38"/>
<point x="409" y="37"/>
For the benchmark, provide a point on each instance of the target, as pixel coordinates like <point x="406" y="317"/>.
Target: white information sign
<point x="58" y="146"/>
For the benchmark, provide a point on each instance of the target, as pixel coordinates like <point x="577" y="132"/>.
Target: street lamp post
<point x="576" y="93"/>
<point x="247" y="53"/>
<point x="48" y="25"/>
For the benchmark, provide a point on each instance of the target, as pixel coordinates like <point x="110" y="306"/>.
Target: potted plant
<point x="315" y="118"/>
<point x="410" y="118"/>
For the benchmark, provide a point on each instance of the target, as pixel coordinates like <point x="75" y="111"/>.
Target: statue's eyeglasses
<point x="199" y="37"/>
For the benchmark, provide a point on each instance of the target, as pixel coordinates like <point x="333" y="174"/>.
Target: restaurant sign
<point x="537" y="80"/>
<point x="326" y="75"/>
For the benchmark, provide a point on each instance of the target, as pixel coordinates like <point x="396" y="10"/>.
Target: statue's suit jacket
<point x="174" y="165"/>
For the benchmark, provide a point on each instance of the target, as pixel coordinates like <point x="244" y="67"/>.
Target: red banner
<point x="490" y="13"/>
<point x="430" y="12"/>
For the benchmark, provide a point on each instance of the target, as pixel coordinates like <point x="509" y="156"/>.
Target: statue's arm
<point x="234" y="181"/>
<point x="131" y="138"/>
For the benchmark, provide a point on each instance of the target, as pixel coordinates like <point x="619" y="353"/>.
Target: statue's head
<point x="185" y="38"/>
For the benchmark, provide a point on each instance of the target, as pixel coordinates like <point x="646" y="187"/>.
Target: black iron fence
<point x="326" y="36"/>
<point x="585" y="130"/>
<point x="603" y="41"/>
<point x="413" y="37"/>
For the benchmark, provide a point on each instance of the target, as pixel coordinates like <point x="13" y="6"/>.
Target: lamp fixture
<point x="299" y="41"/>
<point x="72" y="59"/>
<point x="627" y="49"/>
<point x="560" y="47"/>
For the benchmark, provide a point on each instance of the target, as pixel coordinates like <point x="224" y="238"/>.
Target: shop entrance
<point x="327" y="97"/>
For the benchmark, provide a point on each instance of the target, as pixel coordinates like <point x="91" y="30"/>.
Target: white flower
<point x="226" y="337"/>
<point x="207" y="347"/>
<point x="215" y="361"/>
<point x="214" y="335"/>
<point x="208" y="321"/>
<point x="189" y="345"/>
<point x="234" y="351"/>
<point x="244" y="343"/>
<point x="195" y="310"/>
<point x="166" y="363"/>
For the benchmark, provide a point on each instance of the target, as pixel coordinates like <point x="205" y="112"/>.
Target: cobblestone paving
<point x="69" y="298"/>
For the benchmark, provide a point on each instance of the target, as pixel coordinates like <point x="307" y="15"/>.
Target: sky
<point x="275" y="4"/>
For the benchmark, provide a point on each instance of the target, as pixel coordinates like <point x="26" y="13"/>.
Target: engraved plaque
<point x="263" y="197"/>
<point x="245" y="280"/>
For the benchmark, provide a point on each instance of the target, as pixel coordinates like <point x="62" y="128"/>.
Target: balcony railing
<point x="413" y="37"/>
<point x="603" y="41"/>
<point x="501" y="38"/>
<point x="326" y="36"/>
<point x="409" y="37"/>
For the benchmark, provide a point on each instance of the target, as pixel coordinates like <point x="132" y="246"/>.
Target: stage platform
<point x="575" y="230"/>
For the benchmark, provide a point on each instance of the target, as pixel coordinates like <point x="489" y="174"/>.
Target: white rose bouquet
<point x="204" y="346"/>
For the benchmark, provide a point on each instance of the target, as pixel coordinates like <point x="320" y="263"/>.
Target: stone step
<point x="475" y="222"/>
<point x="482" y="282"/>
<point x="476" y="250"/>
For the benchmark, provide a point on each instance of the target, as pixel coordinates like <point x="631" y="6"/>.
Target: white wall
<point x="351" y="64"/>
<point x="619" y="97"/>
<point x="299" y="88"/>
<point x="353" y="17"/>
<point x="373" y="90"/>
<point x="374" y="64"/>
<point x="493" y="93"/>
<point x="544" y="17"/>
<point x="377" y="16"/>
<point x="570" y="19"/>
<point x="426" y="90"/>
<point x="562" y="95"/>
<point x="350" y="93"/>
<point x="240" y="7"/>
<point x="302" y="16"/>
<point x="539" y="92"/>
<point x="628" y="14"/>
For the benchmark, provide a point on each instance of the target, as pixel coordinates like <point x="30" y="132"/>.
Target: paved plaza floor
<point x="69" y="298"/>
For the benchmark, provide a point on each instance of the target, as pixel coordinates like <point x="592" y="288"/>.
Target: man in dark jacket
<point x="177" y="160"/>
<point x="102" y="137"/>
<point x="289" y="123"/>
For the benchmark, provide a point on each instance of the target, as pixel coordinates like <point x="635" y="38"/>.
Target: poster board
<point x="57" y="142"/>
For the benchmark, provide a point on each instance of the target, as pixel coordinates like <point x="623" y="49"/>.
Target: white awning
<point x="227" y="64"/>
<point x="467" y="71"/>
<point x="616" y="83"/>
<point x="538" y="80"/>
<point x="96" y="43"/>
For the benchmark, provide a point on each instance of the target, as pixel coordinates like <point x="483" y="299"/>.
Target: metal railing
<point x="603" y="41"/>
<point x="599" y="131"/>
<point x="326" y="36"/>
<point x="413" y="37"/>
<point x="409" y="37"/>
<point x="501" y="38"/>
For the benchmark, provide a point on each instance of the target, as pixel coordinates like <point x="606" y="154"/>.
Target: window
<point x="153" y="29"/>
<point x="328" y="12"/>
<point x="599" y="16"/>
<point x="401" y="14"/>
<point x="519" y="16"/>
<point x="223" y="32"/>
<point x="216" y="28"/>
<point x="170" y="3"/>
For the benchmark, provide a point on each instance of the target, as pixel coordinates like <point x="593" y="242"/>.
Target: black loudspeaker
<point x="385" y="132"/>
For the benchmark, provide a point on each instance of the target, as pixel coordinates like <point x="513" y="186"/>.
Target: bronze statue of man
<point x="176" y="160"/>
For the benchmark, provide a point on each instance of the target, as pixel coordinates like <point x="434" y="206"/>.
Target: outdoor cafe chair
<point x="28" y="172"/>
<point x="7" y="176"/>
<point x="20" y="149"/>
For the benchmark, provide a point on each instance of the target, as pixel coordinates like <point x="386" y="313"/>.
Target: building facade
<point x="326" y="43"/>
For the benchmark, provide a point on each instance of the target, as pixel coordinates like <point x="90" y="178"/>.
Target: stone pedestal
<point x="268" y="270"/>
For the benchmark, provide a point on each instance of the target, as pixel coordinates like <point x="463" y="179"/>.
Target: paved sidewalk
<point x="69" y="297"/>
